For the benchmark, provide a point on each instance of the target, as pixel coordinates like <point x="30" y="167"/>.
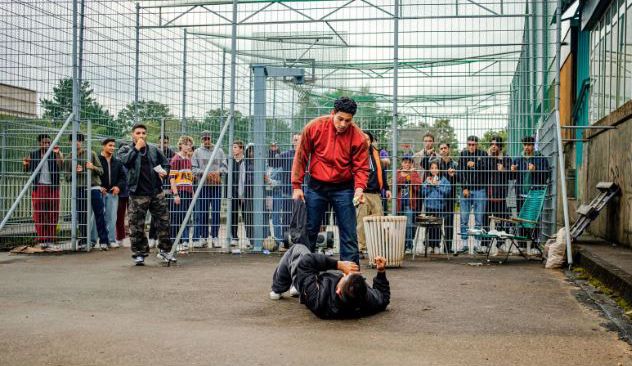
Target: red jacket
<point x="415" y="182"/>
<point x="333" y="157"/>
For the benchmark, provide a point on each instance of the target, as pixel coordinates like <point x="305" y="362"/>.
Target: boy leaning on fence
<point x="146" y="168"/>
<point x="45" y="194"/>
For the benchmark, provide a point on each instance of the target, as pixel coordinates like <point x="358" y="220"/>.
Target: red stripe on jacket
<point x="335" y="157"/>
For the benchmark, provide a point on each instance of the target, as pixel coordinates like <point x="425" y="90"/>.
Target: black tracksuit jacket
<point x="318" y="290"/>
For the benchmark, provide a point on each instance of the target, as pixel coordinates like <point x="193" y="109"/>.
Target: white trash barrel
<point x="386" y="237"/>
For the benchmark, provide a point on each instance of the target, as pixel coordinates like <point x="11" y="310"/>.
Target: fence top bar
<point x="221" y="2"/>
<point x="591" y="127"/>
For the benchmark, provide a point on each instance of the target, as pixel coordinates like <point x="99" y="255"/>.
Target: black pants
<point x="245" y="205"/>
<point x="285" y="273"/>
<point x="448" y="227"/>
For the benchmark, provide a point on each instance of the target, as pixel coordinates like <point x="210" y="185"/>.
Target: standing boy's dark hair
<point x="346" y="105"/>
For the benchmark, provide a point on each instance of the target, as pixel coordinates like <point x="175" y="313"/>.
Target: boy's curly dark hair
<point x="345" y="104"/>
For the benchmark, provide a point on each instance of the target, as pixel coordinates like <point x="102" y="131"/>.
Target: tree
<point x="59" y="107"/>
<point x="488" y="135"/>
<point x="440" y="129"/>
<point x="371" y="116"/>
<point x="151" y="114"/>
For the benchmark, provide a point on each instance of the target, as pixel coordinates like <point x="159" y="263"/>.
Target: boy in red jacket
<point x="338" y="172"/>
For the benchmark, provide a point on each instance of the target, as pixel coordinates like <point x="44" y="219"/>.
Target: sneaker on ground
<point x="119" y="243"/>
<point x="152" y="243"/>
<point x="480" y="250"/>
<point x="215" y="243"/>
<point x="275" y="296"/>
<point x="234" y="243"/>
<point x="294" y="292"/>
<point x="103" y="247"/>
<point x="54" y="248"/>
<point x="248" y="246"/>
<point x="465" y="249"/>
<point x="166" y="256"/>
<point x="329" y="252"/>
<point x="198" y="244"/>
<point x="114" y="244"/>
<point x="139" y="260"/>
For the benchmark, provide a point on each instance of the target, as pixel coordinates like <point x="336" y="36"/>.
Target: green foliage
<point x="371" y="116"/>
<point x="59" y="107"/>
<point x="441" y="129"/>
<point x="487" y="138"/>
<point x="151" y="114"/>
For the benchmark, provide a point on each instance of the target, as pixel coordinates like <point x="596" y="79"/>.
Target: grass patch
<point x="582" y="274"/>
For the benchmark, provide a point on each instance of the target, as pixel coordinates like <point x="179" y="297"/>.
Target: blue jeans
<point x="282" y="213"/>
<point x="477" y="201"/>
<point x="342" y="203"/>
<point x="407" y="211"/>
<point x="98" y="208"/>
<point x="210" y="199"/>
<point x="177" y="214"/>
<point x="111" y="206"/>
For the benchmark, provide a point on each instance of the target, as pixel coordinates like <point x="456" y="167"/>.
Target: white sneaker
<point x="275" y="296"/>
<point x="152" y="243"/>
<point x="103" y="247"/>
<point x="114" y="244"/>
<point x="166" y="257"/>
<point x="329" y="252"/>
<point x="294" y="292"/>
<point x="215" y="243"/>
<point x="198" y="244"/>
<point x="234" y="243"/>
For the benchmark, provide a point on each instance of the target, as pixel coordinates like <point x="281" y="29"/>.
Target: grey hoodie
<point x="200" y="158"/>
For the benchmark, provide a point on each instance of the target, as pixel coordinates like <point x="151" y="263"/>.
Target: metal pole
<point x="231" y="121"/>
<point x="89" y="213"/>
<point x="183" y="121"/>
<point x="395" y="112"/>
<point x="3" y="168"/>
<point x="187" y="217"/>
<point x="259" y="125"/>
<point x="76" y="108"/>
<point x="137" y="63"/>
<point x="162" y="134"/>
<point x="89" y="143"/>
<point x="558" y="130"/>
<point x="27" y="186"/>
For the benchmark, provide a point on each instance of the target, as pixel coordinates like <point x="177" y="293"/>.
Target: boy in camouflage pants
<point x="147" y="166"/>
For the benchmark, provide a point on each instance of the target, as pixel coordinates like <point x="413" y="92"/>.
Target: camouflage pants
<point x="159" y="209"/>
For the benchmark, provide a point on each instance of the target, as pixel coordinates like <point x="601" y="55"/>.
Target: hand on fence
<point x="531" y="166"/>
<point x="466" y="193"/>
<point x="451" y="172"/>
<point x="104" y="191"/>
<point x="176" y="200"/>
<point x="26" y="162"/>
<point x="214" y="178"/>
<point x="388" y="195"/>
<point x="89" y="165"/>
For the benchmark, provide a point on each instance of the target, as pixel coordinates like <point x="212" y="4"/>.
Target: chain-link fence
<point x="463" y="84"/>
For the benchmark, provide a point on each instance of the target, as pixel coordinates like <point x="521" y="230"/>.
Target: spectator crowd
<point x="123" y="184"/>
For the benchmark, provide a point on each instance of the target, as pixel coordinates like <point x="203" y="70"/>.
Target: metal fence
<point x="266" y="68"/>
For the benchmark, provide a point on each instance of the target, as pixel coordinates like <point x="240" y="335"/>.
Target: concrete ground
<point x="213" y="309"/>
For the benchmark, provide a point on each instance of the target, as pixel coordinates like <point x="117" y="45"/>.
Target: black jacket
<point x="54" y="167"/>
<point x="499" y="180"/>
<point x="475" y="178"/>
<point x="372" y="185"/>
<point x="318" y="290"/>
<point x="443" y="169"/>
<point x="113" y="173"/>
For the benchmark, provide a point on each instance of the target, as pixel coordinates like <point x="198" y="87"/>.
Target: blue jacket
<point x="435" y="195"/>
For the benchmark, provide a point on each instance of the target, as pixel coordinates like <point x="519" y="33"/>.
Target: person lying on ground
<point x="330" y="295"/>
